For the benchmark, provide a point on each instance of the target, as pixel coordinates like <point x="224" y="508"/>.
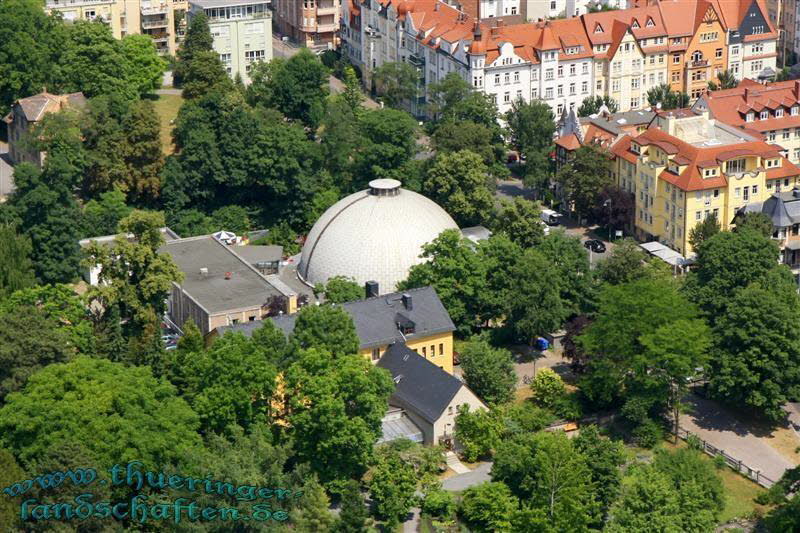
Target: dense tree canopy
<point x="488" y="371"/>
<point x="584" y="177"/>
<point x="297" y="87"/>
<point x="755" y="360"/>
<point x="396" y="82"/>
<point x="327" y="328"/>
<point x="592" y="104"/>
<point x="119" y="413"/>
<point x="519" y="219"/>
<point x="458" y="275"/>
<point x="16" y="268"/>
<point x="460" y="183"/>
<point x="231" y="383"/>
<point x="335" y="411"/>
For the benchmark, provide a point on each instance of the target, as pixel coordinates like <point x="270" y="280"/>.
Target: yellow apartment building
<point x="686" y="167"/>
<point x="163" y="20"/>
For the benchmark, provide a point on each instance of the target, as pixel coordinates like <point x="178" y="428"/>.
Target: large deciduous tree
<point x="118" y="413"/>
<point x="520" y="220"/>
<point x="392" y="487"/>
<point x="545" y="470"/>
<point x="458" y="275"/>
<point x="325" y="328"/>
<point x="29" y="341"/>
<point x="297" y="87"/>
<point x="620" y="366"/>
<point x="134" y="277"/>
<point x="396" y="82"/>
<point x="536" y="307"/>
<point x="459" y="182"/>
<point x="488" y="507"/>
<point x="531" y="125"/>
<point x="584" y="177"/>
<point x="16" y="268"/>
<point x="703" y="231"/>
<point x="488" y="371"/>
<point x="231" y="383"/>
<point x="726" y="262"/>
<point x="755" y="360"/>
<point x="335" y="411"/>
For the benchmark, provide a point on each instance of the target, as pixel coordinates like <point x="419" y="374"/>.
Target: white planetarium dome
<point x="372" y="235"/>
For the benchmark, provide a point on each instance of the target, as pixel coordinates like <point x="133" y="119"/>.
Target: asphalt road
<point x="461" y="482"/>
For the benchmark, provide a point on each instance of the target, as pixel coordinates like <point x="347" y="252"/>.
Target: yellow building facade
<point x="163" y="20"/>
<point x="686" y="167"/>
<point x="437" y="348"/>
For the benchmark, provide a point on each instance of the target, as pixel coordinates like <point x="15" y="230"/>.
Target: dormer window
<point x="635" y="24"/>
<point x="598" y="28"/>
<point x="635" y="149"/>
<point x="674" y="168"/>
<point x="751" y="116"/>
<point x="764" y="115"/>
<point x="795" y="111"/>
<point x="773" y="163"/>
<point x="779" y="112"/>
<point x="650" y="22"/>
<point x="404" y="324"/>
<point x="709" y="172"/>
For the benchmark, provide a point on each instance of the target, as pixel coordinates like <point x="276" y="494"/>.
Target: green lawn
<point x="167" y="106"/>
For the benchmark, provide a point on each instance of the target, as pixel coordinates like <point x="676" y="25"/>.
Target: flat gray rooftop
<point x="245" y="288"/>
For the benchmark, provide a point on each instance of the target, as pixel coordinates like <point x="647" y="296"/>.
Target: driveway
<point x="716" y="425"/>
<point x="461" y="482"/>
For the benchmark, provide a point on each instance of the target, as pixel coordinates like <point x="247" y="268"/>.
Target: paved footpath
<point x="719" y="428"/>
<point x="464" y="481"/>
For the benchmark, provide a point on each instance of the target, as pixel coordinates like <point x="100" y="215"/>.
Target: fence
<point x="732" y="462"/>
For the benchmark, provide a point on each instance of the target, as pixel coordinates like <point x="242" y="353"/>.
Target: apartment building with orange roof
<point x="687" y="166"/>
<point x="771" y="111"/>
<point x="621" y="53"/>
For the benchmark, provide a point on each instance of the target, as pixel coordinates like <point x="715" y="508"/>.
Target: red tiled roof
<point x="732" y="105"/>
<point x="696" y="157"/>
<point x="569" y="142"/>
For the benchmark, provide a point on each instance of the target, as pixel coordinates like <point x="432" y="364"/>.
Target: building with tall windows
<point x="621" y="54"/>
<point x="311" y="23"/>
<point x="163" y="20"/>
<point x="242" y="32"/>
<point x="686" y="167"/>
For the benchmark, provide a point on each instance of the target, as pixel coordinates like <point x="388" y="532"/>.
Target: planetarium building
<point x="372" y="235"/>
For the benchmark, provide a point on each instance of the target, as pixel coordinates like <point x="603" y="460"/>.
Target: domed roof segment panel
<point x="376" y="234"/>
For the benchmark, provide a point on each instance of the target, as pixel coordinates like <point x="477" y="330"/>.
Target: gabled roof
<point x="34" y="107"/>
<point x="731" y="106"/>
<point x="376" y="318"/>
<point x="698" y="157"/>
<point x="420" y="386"/>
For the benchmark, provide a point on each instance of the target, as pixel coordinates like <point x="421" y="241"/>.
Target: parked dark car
<point x="595" y="245"/>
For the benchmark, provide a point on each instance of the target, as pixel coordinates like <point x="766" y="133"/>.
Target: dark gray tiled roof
<point x="375" y="318"/>
<point x="420" y="385"/>
<point x="782" y="208"/>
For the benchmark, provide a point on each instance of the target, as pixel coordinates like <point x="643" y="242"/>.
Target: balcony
<point x="328" y="27"/>
<point x="154" y="9"/>
<point x="326" y="8"/>
<point x="698" y="64"/>
<point x="159" y="37"/>
<point x="154" y="23"/>
<point x="60" y="4"/>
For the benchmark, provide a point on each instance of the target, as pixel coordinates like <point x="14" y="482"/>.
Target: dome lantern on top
<point x="376" y="234"/>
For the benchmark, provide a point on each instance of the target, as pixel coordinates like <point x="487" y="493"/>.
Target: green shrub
<point x="647" y="434"/>
<point x="439" y="503"/>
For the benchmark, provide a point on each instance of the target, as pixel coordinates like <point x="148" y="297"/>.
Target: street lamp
<point x="607" y="204"/>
